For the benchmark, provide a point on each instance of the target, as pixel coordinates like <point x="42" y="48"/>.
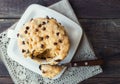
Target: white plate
<point x="33" y="11"/>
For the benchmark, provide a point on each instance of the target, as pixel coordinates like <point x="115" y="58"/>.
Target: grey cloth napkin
<point x="21" y="75"/>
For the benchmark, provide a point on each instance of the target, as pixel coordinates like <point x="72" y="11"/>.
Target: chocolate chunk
<point x="60" y="40"/>
<point x="44" y="28"/>
<point x="27" y="27"/>
<point x="23" y="50"/>
<point x="23" y="42"/>
<point x="39" y="25"/>
<point x="42" y="46"/>
<point x="55" y="43"/>
<point x="40" y="67"/>
<point x="18" y="35"/>
<point x="58" y="60"/>
<point x="47" y="36"/>
<point x="57" y="33"/>
<point x="43" y="23"/>
<point x="25" y="31"/>
<point x="47" y="17"/>
<point x="36" y="30"/>
<point x="41" y="38"/>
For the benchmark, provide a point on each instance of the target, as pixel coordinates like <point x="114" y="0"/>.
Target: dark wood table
<point x="100" y="20"/>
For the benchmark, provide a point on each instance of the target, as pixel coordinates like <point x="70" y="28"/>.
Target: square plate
<point x="73" y="30"/>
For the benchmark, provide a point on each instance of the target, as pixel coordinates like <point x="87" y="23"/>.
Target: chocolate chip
<point x="32" y="57"/>
<point x="42" y="46"/>
<point x="40" y="67"/>
<point x="27" y="42"/>
<point x="31" y="19"/>
<point x="57" y="33"/>
<point x="47" y="36"/>
<point x="52" y="18"/>
<point x="44" y="28"/>
<point x="23" y="50"/>
<point x="27" y="51"/>
<point x="41" y="38"/>
<point x="47" y="17"/>
<point x="36" y="30"/>
<point x="55" y="43"/>
<point x="33" y="51"/>
<point x="18" y="35"/>
<point x="60" y="40"/>
<point x="58" y="60"/>
<point x="23" y="42"/>
<point x="27" y="27"/>
<point x="25" y="31"/>
<point x="43" y="72"/>
<point x="43" y="23"/>
<point x="60" y="23"/>
<point x="43" y="58"/>
<point x="47" y="21"/>
<point x="39" y="25"/>
<point x="48" y="57"/>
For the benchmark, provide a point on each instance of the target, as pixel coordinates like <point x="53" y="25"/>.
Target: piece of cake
<point x="43" y="39"/>
<point x="50" y="71"/>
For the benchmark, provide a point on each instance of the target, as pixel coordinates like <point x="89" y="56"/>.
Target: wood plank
<point x="93" y="80"/>
<point x="5" y="23"/>
<point x="104" y="37"/>
<point x="82" y="8"/>
<point x="101" y="81"/>
<point x="93" y="8"/>
<point x="3" y="70"/>
<point x="6" y="80"/>
<point x="14" y="9"/>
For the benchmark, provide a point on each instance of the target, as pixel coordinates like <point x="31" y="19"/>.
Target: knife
<point x="84" y="63"/>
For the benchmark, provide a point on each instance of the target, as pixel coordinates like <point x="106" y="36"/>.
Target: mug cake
<point x="44" y="40"/>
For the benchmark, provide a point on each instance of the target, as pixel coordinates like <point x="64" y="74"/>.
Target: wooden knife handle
<point x="87" y="63"/>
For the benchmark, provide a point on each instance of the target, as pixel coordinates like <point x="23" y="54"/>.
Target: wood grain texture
<point x="104" y="36"/>
<point x="15" y="8"/>
<point x="95" y="17"/>
<point x="6" y="23"/>
<point x="101" y="81"/>
<point x="82" y="8"/>
<point x="3" y="70"/>
<point x="6" y="80"/>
